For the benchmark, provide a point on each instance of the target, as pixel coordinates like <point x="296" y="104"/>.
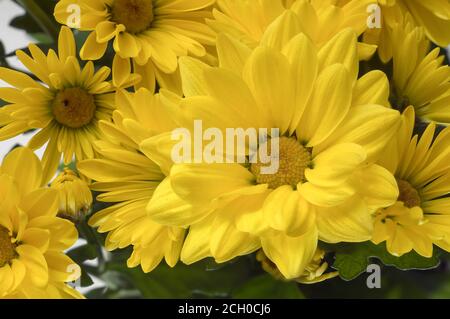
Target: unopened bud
<point x="75" y="197"/>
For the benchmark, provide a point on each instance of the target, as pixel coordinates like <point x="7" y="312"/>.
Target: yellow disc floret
<point x="293" y="159"/>
<point x="135" y="15"/>
<point x="73" y="107"/>
<point x="7" y="247"/>
<point x="408" y="194"/>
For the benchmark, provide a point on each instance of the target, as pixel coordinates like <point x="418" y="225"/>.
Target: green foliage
<point x="264" y="287"/>
<point x="38" y="19"/>
<point x="352" y="259"/>
<point x="240" y="278"/>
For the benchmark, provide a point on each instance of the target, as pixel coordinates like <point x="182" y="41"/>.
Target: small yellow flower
<point x="75" y="197"/>
<point x="32" y="238"/>
<point x="128" y="179"/>
<point x="420" y="78"/>
<point x="433" y="16"/>
<point x="66" y="104"/>
<point x="153" y="33"/>
<point x="421" y="215"/>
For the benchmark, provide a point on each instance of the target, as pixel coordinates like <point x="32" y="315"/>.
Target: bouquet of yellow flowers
<point x="229" y="148"/>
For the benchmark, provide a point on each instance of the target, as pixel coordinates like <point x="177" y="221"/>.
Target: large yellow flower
<point x="128" y="179"/>
<point x="154" y="33"/>
<point x="32" y="238"/>
<point x="421" y="215"/>
<point x="66" y="106"/>
<point x="419" y="77"/>
<point x="331" y="130"/>
<point x="248" y="20"/>
<point x="434" y="16"/>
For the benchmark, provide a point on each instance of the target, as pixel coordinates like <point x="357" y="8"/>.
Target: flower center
<point x="408" y="194"/>
<point x="73" y="107"/>
<point x="135" y="15"/>
<point x="7" y="248"/>
<point x="293" y="160"/>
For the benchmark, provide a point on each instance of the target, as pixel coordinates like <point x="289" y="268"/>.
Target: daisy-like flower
<point x="128" y="179"/>
<point x="420" y="78"/>
<point x="66" y="105"/>
<point x="331" y="131"/>
<point x="421" y="215"/>
<point x="154" y="33"/>
<point x="434" y="16"/>
<point x="248" y="20"/>
<point x="32" y="238"/>
<point x="75" y="197"/>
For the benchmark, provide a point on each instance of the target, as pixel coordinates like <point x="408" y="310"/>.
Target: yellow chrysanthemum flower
<point x="419" y="77"/>
<point x="75" y="197"/>
<point x="434" y="16"/>
<point x="66" y="106"/>
<point x="128" y="179"/>
<point x="421" y="215"/>
<point x="32" y="238"/>
<point x="248" y="20"/>
<point x="331" y="131"/>
<point x="154" y="33"/>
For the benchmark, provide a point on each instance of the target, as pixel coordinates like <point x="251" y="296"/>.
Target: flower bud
<point x="75" y="197"/>
<point x="314" y="272"/>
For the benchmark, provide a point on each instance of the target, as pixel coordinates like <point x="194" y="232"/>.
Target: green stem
<point x="91" y="237"/>
<point x="40" y="17"/>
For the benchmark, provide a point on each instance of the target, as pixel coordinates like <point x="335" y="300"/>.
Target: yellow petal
<point x="92" y="50"/>
<point x="199" y="184"/>
<point x="28" y="179"/>
<point x="341" y="49"/>
<point x="372" y="88"/>
<point x="197" y="243"/>
<point x="226" y="241"/>
<point x="267" y="74"/>
<point x="371" y="126"/>
<point x="335" y="165"/>
<point x="328" y="106"/>
<point x="377" y="186"/>
<point x="167" y="208"/>
<point x="39" y="238"/>
<point x="324" y="196"/>
<point x="66" y="44"/>
<point x="348" y="222"/>
<point x="291" y="255"/>
<point x="288" y="212"/>
<point x="232" y="53"/>
<point x="34" y="261"/>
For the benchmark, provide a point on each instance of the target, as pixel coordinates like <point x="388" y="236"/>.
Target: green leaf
<point x="85" y="279"/>
<point x="82" y="253"/>
<point x="352" y="259"/>
<point x="351" y="265"/>
<point x="42" y="14"/>
<point x="267" y="287"/>
<point x="181" y="281"/>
